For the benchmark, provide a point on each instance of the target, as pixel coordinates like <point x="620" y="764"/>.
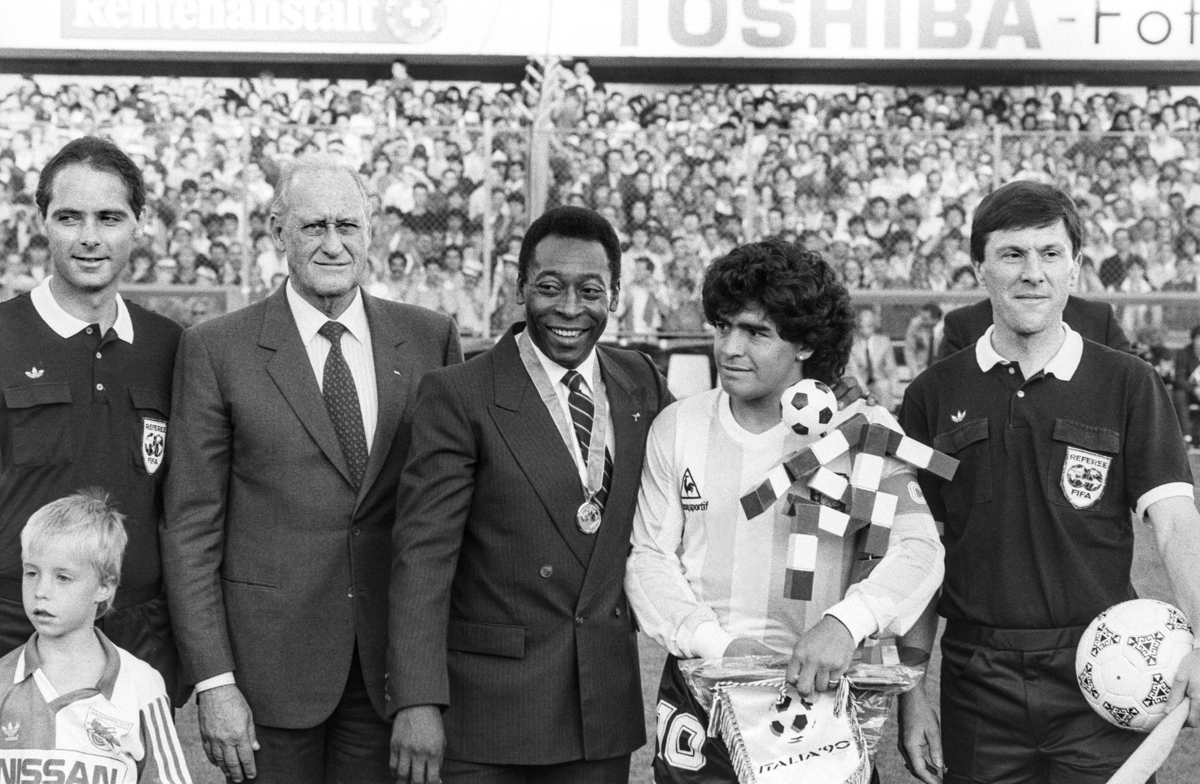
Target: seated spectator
<point x="964" y="279"/>
<point x="642" y="303"/>
<point x="141" y="266"/>
<point x="1186" y="389"/>
<point x="921" y="339"/>
<point x="873" y="360"/>
<point x="1114" y="268"/>
<point x="683" y="312"/>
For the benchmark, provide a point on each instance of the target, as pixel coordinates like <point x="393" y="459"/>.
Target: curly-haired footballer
<point x="705" y="581"/>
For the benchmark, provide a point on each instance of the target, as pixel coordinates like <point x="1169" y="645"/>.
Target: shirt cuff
<point x="853" y="613"/>
<point x="1170" y="490"/>
<point x="224" y="679"/>
<point x="709" y="640"/>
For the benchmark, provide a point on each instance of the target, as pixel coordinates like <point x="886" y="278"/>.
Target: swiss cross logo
<point x="415" y="21"/>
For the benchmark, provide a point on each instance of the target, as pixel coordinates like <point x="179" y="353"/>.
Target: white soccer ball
<point x="1127" y="659"/>
<point x="808" y="407"/>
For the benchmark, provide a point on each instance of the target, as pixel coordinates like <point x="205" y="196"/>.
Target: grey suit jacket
<point x="275" y="565"/>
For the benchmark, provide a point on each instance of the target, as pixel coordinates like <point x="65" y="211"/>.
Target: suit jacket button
<point x="546" y="571"/>
<point x="617" y="611"/>
<point x="579" y="620"/>
<point x="356" y="530"/>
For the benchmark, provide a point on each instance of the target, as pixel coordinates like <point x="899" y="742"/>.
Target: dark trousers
<point x="1012" y="712"/>
<point x="349" y="747"/>
<point x="606" y="771"/>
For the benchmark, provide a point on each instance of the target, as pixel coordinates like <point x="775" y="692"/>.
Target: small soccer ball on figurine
<point x="1127" y="659"/>
<point x="808" y="407"/>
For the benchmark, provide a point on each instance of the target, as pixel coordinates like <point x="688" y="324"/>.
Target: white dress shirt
<point x="356" y="348"/>
<point x="556" y="372"/>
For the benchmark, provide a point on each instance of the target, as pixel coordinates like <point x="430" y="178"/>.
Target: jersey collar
<point x="67" y="325"/>
<point x="309" y="320"/>
<point x="1063" y="364"/>
<point x="28" y="663"/>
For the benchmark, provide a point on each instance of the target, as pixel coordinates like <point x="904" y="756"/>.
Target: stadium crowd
<point x="881" y="180"/>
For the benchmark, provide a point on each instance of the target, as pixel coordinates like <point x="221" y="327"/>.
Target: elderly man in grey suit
<point x="291" y="422"/>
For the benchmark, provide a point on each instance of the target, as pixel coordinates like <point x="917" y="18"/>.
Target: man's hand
<point x="744" y="646"/>
<point x="227" y="731"/>
<point x="418" y="741"/>
<point x="1187" y="683"/>
<point x="821" y="656"/>
<point x="920" y="736"/>
<point x="847" y="391"/>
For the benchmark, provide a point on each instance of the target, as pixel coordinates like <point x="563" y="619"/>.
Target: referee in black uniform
<point x="86" y="384"/>
<point x="1060" y="440"/>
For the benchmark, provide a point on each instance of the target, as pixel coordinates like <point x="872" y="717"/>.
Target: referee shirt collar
<point x="1062" y="365"/>
<point x="309" y="320"/>
<point x="66" y="325"/>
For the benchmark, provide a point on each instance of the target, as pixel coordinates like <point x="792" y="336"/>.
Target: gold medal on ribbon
<point x="587" y="517"/>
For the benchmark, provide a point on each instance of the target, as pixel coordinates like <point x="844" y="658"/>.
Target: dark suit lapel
<point x="292" y="372"/>
<point x="393" y="374"/>
<point x="612" y="543"/>
<point x="533" y="438"/>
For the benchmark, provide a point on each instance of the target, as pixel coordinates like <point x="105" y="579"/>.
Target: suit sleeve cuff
<point x="709" y="641"/>
<point x="224" y="679"/>
<point x="853" y="613"/>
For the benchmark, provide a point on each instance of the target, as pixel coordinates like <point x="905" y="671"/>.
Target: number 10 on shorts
<point x="680" y="736"/>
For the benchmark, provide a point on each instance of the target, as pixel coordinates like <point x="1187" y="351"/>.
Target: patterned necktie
<point x="341" y="398"/>
<point x="582" y="413"/>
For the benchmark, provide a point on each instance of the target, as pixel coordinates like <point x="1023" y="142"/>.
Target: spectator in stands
<point x="1114" y="268"/>
<point x="873" y="360"/>
<point x="654" y="159"/>
<point x="921" y="339"/>
<point x="643" y="302"/>
<point x="1186" y="389"/>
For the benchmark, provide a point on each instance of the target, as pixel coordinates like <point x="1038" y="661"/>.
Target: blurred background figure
<point x="873" y="359"/>
<point x="921" y="338"/>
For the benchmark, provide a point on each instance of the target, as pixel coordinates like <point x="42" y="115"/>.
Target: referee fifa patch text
<point x="1084" y="476"/>
<point x="154" y="443"/>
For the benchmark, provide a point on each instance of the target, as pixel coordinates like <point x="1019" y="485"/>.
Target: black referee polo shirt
<point x="83" y="411"/>
<point x="1037" y="519"/>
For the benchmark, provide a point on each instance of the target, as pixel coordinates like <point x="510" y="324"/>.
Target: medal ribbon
<point x="545" y="388"/>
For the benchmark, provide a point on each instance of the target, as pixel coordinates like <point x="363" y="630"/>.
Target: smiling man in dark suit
<point x="291" y="424"/>
<point x="511" y="642"/>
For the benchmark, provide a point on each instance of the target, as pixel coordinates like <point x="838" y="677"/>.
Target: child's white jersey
<point x="119" y="732"/>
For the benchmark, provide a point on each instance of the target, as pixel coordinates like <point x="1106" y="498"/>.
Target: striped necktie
<point x="582" y="413"/>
